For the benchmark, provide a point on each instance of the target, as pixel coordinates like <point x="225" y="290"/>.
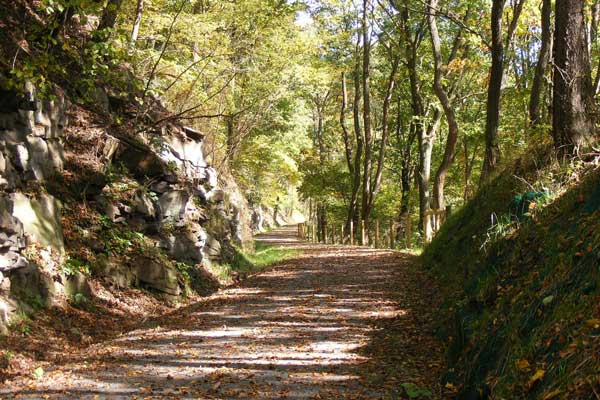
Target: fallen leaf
<point x="451" y="387"/>
<point x="523" y="364"/>
<point x="539" y="374"/>
<point x="552" y="394"/>
<point x="595" y="322"/>
<point x="547" y="300"/>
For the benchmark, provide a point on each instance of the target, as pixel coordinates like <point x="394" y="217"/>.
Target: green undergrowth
<point x="523" y="309"/>
<point x="248" y="262"/>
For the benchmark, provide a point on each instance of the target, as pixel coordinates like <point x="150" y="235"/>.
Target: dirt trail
<point x="333" y="323"/>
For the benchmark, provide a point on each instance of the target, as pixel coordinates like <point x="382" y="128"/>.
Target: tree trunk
<point x="348" y="151"/>
<point x="321" y="222"/>
<point x="353" y="208"/>
<point x="573" y="127"/>
<point x="450" y="150"/>
<point x="593" y="29"/>
<point x="492" y="151"/>
<point x="542" y="64"/>
<point x="407" y="165"/>
<point x="139" y="10"/>
<point x="346" y="135"/>
<point x="366" y="190"/>
<point x="384" y="132"/>
<point x="416" y="101"/>
<point x="426" y="141"/>
<point x="597" y="80"/>
<point x="594" y="36"/>
<point x="230" y="138"/>
<point x="109" y="14"/>
<point x="320" y="140"/>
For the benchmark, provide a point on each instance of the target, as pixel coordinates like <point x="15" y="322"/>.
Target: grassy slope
<point x="245" y="263"/>
<point x="524" y="312"/>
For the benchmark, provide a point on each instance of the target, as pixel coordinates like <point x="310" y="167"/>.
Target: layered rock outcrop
<point x="180" y="206"/>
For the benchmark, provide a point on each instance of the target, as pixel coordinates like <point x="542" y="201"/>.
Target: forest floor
<point x="332" y="323"/>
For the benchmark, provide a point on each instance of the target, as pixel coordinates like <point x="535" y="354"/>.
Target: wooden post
<point x="408" y="232"/>
<point x="351" y="233"/>
<point x="325" y="233"/>
<point x="392" y="234"/>
<point x="362" y="232"/>
<point x="376" y="233"/>
<point x="333" y="234"/>
<point x="342" y="234"/>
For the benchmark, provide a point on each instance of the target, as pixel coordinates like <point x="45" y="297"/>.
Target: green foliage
<point x="38" y="373"/>
<point x="242" y="262"/>
<point x="415" y="392"/>
<point x="73" y="267"/>
<point x="263" y="256"/>
<point x="184" y="270"/>
<point x="79" y="299"/>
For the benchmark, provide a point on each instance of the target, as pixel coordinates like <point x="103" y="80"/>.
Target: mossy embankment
<point x="522" y="309"/>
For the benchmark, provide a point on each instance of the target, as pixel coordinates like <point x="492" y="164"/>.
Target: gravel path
<point x="333" y="323"/>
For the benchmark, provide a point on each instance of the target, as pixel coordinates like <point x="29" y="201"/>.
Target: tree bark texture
<point x="573" y="103"/>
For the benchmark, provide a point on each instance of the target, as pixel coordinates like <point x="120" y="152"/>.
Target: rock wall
<point x="31" y="151"/>
<point x="191" y="215"/>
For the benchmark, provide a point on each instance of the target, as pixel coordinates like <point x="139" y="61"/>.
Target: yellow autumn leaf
<point x="451" y="387"/>
<point x="539" y="374"/>
<point x="551" y="395"/>
<point x="523" y="364"/>
<point x="595" y="322"/>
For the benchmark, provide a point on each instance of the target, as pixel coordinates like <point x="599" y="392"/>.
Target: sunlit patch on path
<point x="296" y="331"/>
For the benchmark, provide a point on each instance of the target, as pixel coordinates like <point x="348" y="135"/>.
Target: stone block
<point x="173" y="204"/>
<point x="143" y="204"/>
<point x="157" y="276"/>
<point x="40" y="217"/>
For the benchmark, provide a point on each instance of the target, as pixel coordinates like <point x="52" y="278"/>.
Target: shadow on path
<point x="308" y="328"/>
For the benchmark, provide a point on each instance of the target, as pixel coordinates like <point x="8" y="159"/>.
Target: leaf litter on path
<point x="332" y="323"/>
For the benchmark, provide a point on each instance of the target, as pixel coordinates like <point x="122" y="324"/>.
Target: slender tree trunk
<point x="426" y="141"/>
<point x="573" y="102"/>
<point x="345" y="134"/>
<point x="450" y="150"/>
<point x="597" y="80"/>
<point x="231" y="138"/>
<point x="367" y="165"/>
<point x="135" y="31"/>
<point x="384" y="132"/>
<point x="320" y="140"/>
<point x="353" y="208"/>
<point x="348" y="151"/>
<point x="492" y="151"/>
<point x="321" y="222"/>
<point x="418" y="112"/>
<point x="542" y="64"/>
<point x="594" y="36"/>
<point x="407" y="165"/>
<point x="593" y="26"/>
